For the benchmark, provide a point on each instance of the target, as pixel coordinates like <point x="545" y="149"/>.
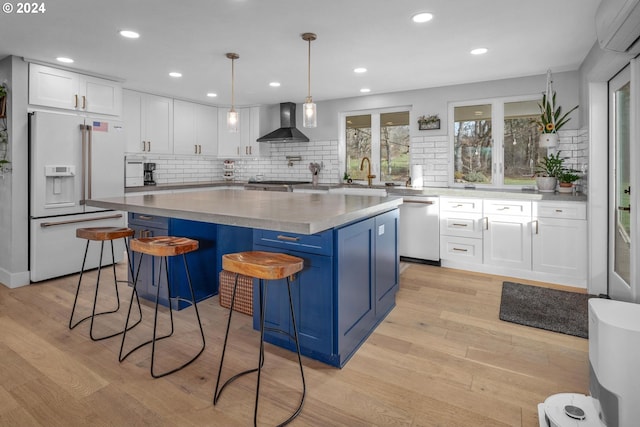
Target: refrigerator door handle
<point x="89" y="129"/>
<point x="74" y="221"/>
<point x="83" y="176"/>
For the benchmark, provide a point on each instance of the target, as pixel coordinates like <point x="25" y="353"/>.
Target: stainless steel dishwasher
<point x="419" y="238"/>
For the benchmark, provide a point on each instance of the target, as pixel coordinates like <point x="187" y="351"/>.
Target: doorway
<point x="623" y="172"/>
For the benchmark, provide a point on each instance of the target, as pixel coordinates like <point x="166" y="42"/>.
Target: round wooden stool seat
<point x="104" y="233"/>
<point x="164" y="245"/>
<point x="262" y="265"/>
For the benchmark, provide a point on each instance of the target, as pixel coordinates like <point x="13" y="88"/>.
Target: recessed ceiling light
<point x="422" y="17"/>
<point x="365" y="90"/>
<point x="360" y="70"/>
<point x="175" y="74"/>
<point x="64" y="59"/>
<point x="212" y="95"/>
<point x="479" y="51"/>
<point x="129" y="34"/>
<point x="274" y="84"/>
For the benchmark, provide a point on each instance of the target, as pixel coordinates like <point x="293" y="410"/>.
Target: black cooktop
<point x="276" y="182"/>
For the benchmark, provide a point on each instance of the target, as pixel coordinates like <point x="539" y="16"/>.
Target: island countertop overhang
<point x="303" y="213"/>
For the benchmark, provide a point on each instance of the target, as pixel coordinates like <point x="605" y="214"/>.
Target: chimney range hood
<point x="287" y="131"/>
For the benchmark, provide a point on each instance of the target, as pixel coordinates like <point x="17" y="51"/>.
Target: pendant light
<point x="232" y="115"/>
<point x="309" y="116"/>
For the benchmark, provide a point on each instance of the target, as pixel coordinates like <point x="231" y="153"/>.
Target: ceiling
<point x="192" y="37"/>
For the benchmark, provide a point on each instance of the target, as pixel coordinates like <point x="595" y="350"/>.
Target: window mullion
<point x="498" y="143"/>
<point x="375" y="147"/>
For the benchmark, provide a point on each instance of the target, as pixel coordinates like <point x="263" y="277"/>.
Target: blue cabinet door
<point x="386" y="262"/>
<point x="312" y="295"/>
<point x="202" y="263"/>
<point x="355" y="285"/>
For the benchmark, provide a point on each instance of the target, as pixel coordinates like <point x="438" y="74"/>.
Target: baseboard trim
<point x="14" y="280"/>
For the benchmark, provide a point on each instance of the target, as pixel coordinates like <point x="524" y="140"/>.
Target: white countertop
<point x="302" y="213"/>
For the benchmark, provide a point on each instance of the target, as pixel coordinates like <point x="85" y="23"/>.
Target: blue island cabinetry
<point x="202" y="263"/>
<point x="347" y="286"/>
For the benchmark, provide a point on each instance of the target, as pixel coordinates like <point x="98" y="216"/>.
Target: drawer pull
<point x="456" y="224"/>
<point x="427" y="202"/>
<point x="145" y="217"/>
<point x="460" y="250"/>
<point x="559" y="210"/>
<point x="505" y="208"/>
<point x="288" y="238"/>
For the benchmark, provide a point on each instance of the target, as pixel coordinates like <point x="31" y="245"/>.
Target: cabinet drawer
<point x="145" y="220"/>
<point x="567" y="210"/>
<point x="320" y="243"/>
<point x="461" y="205"/>
<point x="461" y="249"/>
<point x="464" y="225"/>
<point x="507" y="207"/>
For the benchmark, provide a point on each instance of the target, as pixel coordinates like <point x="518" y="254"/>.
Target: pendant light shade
<point x="309" y="115"/>
<point x="232" y="115"/>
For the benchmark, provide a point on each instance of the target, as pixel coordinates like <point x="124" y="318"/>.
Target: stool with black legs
<point x="263" y="266"/>
<point x="101" y="234"/>
<point x="163" y="247"/>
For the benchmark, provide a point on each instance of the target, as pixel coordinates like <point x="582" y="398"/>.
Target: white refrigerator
<point x="72" y="159"/>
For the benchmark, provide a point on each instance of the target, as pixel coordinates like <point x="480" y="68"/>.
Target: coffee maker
<point x="148" y="173"/>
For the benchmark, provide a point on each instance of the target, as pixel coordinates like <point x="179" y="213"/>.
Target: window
<point x="495" y="143"/>
<point x="381" y="136"/>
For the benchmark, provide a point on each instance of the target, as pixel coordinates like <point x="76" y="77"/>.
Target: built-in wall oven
<point x="419" y="238"/>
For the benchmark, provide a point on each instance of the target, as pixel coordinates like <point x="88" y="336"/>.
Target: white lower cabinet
<point x="461" y="230"/>
<point x="560" y="239"/>
<point x="507" y="233"/>
<point x="540" y="240"/>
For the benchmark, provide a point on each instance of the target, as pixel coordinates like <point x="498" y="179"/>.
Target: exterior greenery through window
<point x="383" y="137"/>
<point x="496" y="143"/>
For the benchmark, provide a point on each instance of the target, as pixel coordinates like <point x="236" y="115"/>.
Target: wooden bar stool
<point x="263" y="266"/>
<point x="164" y="247"/>
<point x="101" y="234"/>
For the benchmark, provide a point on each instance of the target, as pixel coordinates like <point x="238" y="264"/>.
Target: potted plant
<point x="566" y="178"/>
<point x="551" y="120"/>
<point x="547" y="172"/>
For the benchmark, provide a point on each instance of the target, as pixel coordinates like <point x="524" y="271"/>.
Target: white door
<point x="56" y="164"/>
<point x="623" y="160"/>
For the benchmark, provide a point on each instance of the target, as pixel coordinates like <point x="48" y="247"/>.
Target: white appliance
<point x="618" y="25"/>
<point x="134" y="171"/>
<point x="72" y="159"/>
<point x="614" y="381"/>
<point x="419" y="237"/>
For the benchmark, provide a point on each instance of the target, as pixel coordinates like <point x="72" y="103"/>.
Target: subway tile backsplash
<point x="432" y="152"/>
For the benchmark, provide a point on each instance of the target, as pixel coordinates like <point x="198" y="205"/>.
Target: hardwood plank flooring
<point x="440" y="358"/>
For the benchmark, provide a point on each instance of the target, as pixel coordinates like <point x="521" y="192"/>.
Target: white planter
<point x="548" y="140"/>
<point x="546" y="184"/>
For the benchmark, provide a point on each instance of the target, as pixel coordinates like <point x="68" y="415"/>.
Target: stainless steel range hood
<point x="287" y="131"/>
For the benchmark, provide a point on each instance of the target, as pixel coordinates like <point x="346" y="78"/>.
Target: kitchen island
<point x="349" y="245"/>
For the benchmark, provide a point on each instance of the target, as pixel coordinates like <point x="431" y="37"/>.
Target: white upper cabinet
<point x="148" y="123"/>
<point x="242" y="143"/>
<point x="195" y="128"/>
<point x="51" y="87"/>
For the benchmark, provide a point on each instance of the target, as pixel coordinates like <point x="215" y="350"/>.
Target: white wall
<point x="14" y="191"/>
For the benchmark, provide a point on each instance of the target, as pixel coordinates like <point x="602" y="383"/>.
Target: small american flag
<point x="101" y="126"/>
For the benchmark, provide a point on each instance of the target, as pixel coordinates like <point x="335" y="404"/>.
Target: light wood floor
<point x="441" y="358"/>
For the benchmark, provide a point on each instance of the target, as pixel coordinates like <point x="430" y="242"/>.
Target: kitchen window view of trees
<point x="496" y="143"/>
<point x="383" y="137"/>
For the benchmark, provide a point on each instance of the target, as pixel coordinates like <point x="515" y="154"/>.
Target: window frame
<point x="375" y="139"/>
<point x="497" y="139"/>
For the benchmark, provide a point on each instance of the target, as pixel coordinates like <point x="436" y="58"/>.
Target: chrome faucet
<point x="369" y="176"/>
